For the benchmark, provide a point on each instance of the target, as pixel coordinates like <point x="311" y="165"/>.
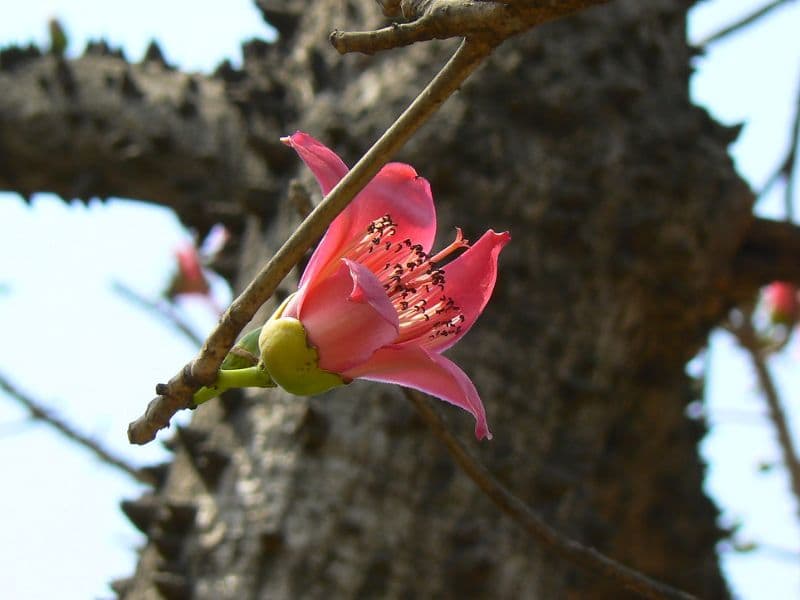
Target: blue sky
<point x="60" y="260"/>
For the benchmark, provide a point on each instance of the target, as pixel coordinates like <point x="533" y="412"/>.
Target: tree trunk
<point x="625" y="213"/>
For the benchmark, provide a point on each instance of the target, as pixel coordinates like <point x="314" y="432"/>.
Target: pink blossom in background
<point x="781" y="301"/>
<point x="189" y="277"/>
<point x="375" y="303"/>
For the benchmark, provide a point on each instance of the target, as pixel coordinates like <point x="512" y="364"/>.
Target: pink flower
<point x="781" y="302"/>
<point x="189" y="278"/>
<point x="374" y="303"/>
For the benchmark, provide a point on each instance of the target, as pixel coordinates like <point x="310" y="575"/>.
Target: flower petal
<point x="396" y="190"/>
<point x="347" y="317"/>
<point x="326" y="166"/>
<point x="470" y="280"/>
<point x="428" y="372"/>
<point x="399" y="192"/>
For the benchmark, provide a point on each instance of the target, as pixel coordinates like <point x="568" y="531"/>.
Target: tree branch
<point x="788" y="166"/>
<point x="98" y="126"/>
<point x="160" y="309"/>
<point x="749" y="341"/>
<point x="769" y="252"/>
<point x="571" y="550"/>
<point x="743" y="22"/>
<point x="177" y="394"/>
<point x="45" y="415"/>
<point x="442" y="19"/>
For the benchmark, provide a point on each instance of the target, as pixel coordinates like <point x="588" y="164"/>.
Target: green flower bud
<point x="289" y="360"/>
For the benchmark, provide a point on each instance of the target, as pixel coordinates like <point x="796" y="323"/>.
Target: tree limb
<point x="788" y="166"/>
<point x="160" y="309"/>
<point x="98" y="126"/>
<point x="749" y="341"/>
<point x="770" y="252"/>
<point x="743" y="22"/>
<point x="442" y="19"/>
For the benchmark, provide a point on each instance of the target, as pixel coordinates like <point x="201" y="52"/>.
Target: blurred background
<point x="118" y="289"/>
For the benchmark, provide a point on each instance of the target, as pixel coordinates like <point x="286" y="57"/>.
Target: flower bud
<point x="782" y="303"/>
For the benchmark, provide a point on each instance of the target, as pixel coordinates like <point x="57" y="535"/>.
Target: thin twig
<point x="786" y="168"/>
<point x="790" y="165"/>
<point x="442" y="19"/>
<point x="571" y="550"/>
<point x="43" y="414"/>
<point x="743" y="22"/>
<point x="177" y="394"/>
<point x="159" y="309"/>
<point x="747" y="337"/>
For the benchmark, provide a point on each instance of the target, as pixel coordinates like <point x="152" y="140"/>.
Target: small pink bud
<point x="189" y="277"/>
<point x="781" y="301"/>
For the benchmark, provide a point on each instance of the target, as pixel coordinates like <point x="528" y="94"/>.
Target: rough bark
<point x="99" y="126"/>
<point x="626" y="218"/>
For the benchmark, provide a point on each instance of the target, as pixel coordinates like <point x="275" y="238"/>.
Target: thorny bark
<point x="628" y="222"/>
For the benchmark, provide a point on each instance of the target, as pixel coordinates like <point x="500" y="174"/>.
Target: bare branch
<point x="743" y="22"/>
<point x="159" y="309"/>
<point x="177" y="394"/>
<point x="768" y="253"/>
<point x="787" y="168"/>
<point x="442" y="19"/>
<point x="43" y="414"/>
<point x="748" y="339"/>
<point x="571" y="550"/>
<point x="790" y="164"/>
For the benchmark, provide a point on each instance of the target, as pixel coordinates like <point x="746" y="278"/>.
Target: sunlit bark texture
<point x="625" y="213"/>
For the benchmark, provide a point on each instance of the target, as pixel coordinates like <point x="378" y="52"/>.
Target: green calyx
<point x="289" y="360"/>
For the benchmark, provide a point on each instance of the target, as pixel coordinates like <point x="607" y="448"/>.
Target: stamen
<point x="414" y="283"/>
